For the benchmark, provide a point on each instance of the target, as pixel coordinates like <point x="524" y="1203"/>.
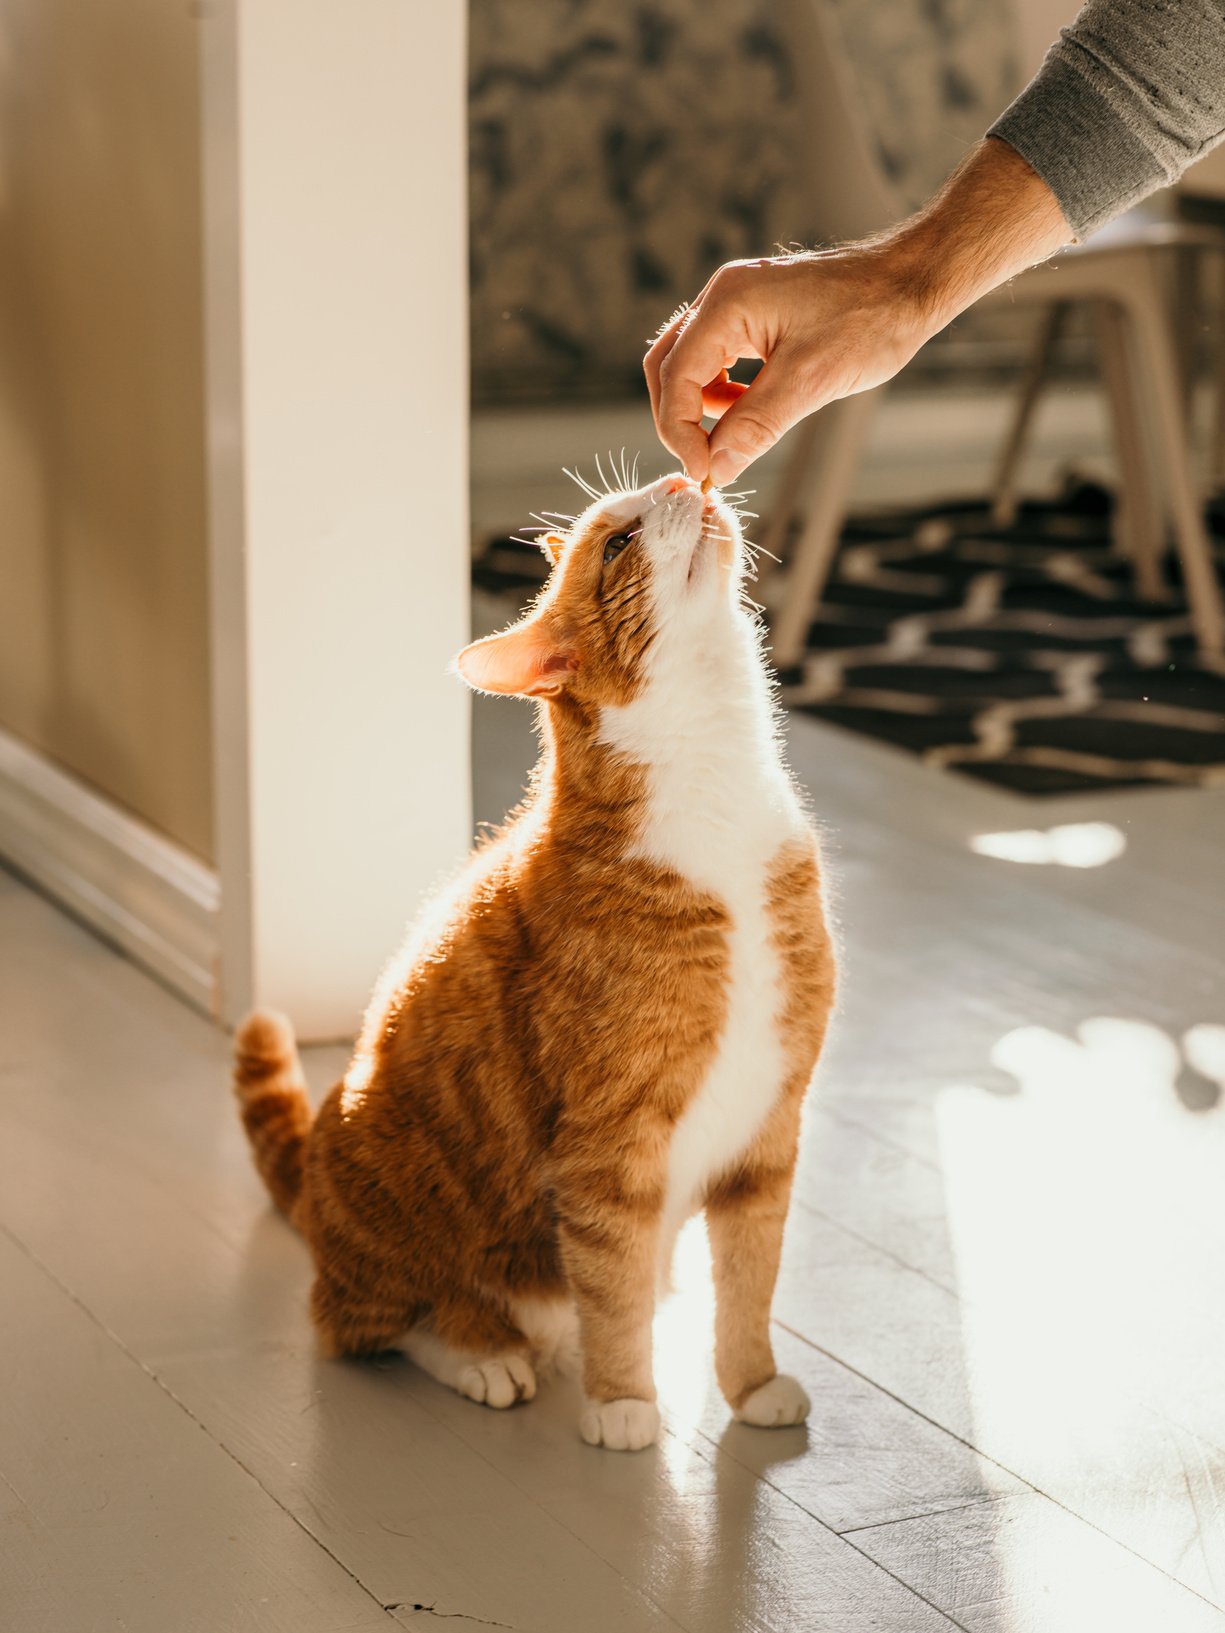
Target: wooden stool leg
<point x="1151" y="345"/>
<point x="1140" y="527"/>
<point x="1185" y="301"/>
<point x="845" y="427"/>
<point x="1004" y="483"/>
<point x="802" y="443"/>
<point x="1216" y="453"/>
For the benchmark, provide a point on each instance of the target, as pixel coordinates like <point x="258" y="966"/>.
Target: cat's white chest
<point x="720" y="809"/>
<point x="746" y="1075"/>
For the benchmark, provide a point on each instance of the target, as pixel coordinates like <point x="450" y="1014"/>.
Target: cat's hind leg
<point x="474" y="1349"/>
<point x="493" y="1380"/>
<point x="358" y="1320"/>
<point x="550" y="1324"/>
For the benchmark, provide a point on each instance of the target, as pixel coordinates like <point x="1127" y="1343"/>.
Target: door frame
<point x="336" y="307"/>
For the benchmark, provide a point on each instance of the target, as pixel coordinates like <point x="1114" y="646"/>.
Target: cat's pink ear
<point x="525" y="660"/>
<point x="553" y="544"/>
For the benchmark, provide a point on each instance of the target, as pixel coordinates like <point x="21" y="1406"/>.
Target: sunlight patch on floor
<point x="1088" y="1287"/>
<point x="1068" y="845"/>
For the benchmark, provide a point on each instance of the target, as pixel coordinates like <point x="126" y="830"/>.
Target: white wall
<point x="338" y="422"/>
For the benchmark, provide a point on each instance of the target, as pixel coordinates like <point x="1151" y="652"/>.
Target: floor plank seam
<point x="136" y="1361"/>
<point x="877" y="1247"/>
<point x="931" y="1513"/>
<point x="709" y="1452"/>
<point x="717" y="1451"/>
<point x="124" y="1349"/>
<point x="1003" y="1467"/>
<point x="555" y="1519"/>
<point x="844" y="1536"/>
<point x="445" y="1615"/>
<point x="835" y="1110"/>
<point x="910" y="1588"/>
<point x="1202" y="1533"/>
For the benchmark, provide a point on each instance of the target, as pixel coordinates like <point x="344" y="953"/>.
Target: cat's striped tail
<point x="276" y="1111"/>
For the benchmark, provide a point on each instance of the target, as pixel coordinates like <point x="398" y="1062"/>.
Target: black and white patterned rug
<point x="1020" y="655"/>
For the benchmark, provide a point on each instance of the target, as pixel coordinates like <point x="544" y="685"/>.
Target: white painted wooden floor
<point x="1004" y="1287"/>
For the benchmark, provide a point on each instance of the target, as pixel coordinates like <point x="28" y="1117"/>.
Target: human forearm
<point x="835" y="322"/>
<point x="992" y="218"/>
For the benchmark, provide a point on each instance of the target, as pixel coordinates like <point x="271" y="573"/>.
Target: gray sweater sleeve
<point x="1130" y="95"/>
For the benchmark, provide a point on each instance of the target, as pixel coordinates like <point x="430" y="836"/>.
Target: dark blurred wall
<point x="619" y="152"/>
<point x="930" y="75"/>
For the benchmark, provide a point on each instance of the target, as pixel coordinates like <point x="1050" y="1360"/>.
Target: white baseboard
<point x="133" y="886"/>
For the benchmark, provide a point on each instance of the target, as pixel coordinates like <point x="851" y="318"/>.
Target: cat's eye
<point x="614" y="545"/>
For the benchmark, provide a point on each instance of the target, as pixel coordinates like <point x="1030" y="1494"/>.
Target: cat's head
<point x="638" y="574"/>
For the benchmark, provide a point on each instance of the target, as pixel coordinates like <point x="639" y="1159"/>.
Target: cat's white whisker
<point x="582" y="482"/>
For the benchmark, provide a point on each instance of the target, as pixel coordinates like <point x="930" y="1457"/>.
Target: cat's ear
<point x="552" y="544"/>
<point x="525" y="660"/>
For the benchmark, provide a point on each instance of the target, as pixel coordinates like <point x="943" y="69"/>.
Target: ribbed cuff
<point x="1085" y="153"/>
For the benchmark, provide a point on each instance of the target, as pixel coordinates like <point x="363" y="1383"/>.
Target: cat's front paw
<point x="500" y="1381"/>
<point x="776" y="1405"/>
<point x="623" y="1426"/>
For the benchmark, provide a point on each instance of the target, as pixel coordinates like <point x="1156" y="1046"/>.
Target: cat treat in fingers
<point x="607" y="1024"/>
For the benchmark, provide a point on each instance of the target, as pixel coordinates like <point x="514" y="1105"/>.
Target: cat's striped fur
<point x="608" y="1022"/>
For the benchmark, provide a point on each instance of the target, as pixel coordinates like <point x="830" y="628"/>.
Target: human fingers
<point x="718" y="394"/>
<point x="656" y="352"/>
<point x="761" y="414"/>
<point x="664" y="342"/>
<point x="697" y="361"/>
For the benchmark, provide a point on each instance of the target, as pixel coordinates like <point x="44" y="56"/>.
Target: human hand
<point x="825" y="325"/>
<point x="829" y="323"/>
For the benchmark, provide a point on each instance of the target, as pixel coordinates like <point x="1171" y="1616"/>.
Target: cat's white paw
<point x="775" y="1405"/>
<point x="623" y="1426"/>
<point x="500" y="1381"/>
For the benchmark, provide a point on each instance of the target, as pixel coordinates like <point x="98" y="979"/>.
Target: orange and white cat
<point x="608" y="1023"/>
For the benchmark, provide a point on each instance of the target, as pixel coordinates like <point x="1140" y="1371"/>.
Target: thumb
<point x="756" y="420"/>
